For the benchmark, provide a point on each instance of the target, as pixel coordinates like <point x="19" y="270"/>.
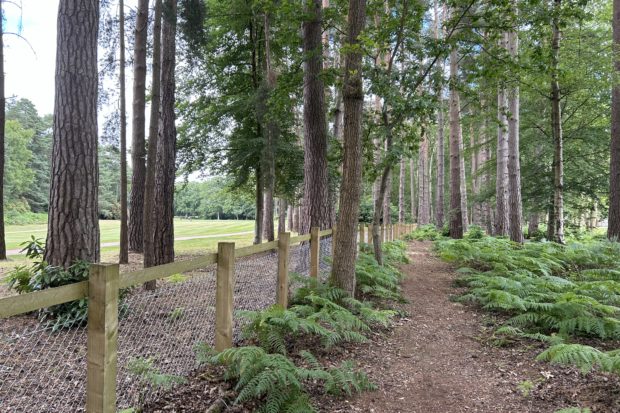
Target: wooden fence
<point x="105" y="282"/>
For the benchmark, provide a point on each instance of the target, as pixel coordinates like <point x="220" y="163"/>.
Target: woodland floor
<point x="440" y="358"/>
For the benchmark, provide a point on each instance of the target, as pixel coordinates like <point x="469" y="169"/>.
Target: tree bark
<point x="2" y="137"/>
<point x="138" y="146"/>
<point x="456" y="215"/>
<point x="501" y="184"/>
<point x="153" y="138"/>
<point x="613" y="228"/>
<point x="514" y="163"/>
<point x="73" y="226"/>
<point x="290" y="218"/>
<point x="316" y="181"/>
<point x="345" y="248"/>
<point x="463" y="179"/>
<point x="401" y="191"/>
<point x="439" y="188"/>
<point x="532" y="226"/>
<point x="282" y="207"/>
<point x="260" y="212"/>
<point x="387" y="200"/>
<point x="162" y="228"/>
<point x="556" y="129"/>
<point x="123" y="256"/>
<point x="424" y="202"/>
<point x="414" y="214"/>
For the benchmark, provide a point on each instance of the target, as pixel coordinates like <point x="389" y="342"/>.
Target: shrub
<point x="425" y="233"/>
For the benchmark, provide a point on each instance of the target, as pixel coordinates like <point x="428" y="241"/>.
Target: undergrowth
<point x="549" y="292"/>
<point x="268" y="374"/>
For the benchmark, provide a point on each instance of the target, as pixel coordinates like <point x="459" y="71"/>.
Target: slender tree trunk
<point x="123" y="257"/>
<point x="387" y="200"/>
<point x="613" y="229"/>
<point x="149" y="187"/>
<point x="163" y="227"/>
<point x="316" y="181"/>
<point x="424" y="204"/>
<point x="412" y="190"/>
<point x="290" y="218"/>
<point x="2" y="133"/>
<point x="501" y="184"/>
<point x="514" y="164"/>
<point x="439" y="188"/>
<point x="401" y="191"/>
<point x="463" y="178"/>
<point x="532" y="226"/>
<point x="556" y="129"/>
<point x="282" y="207"/>
<point x="138" y="149"/>
<point x="271" y="136"/>
<point x="345" y="248"/>
<point x="260" y="212"/>
<point x="456" y="215"/>
<point x="475" y="187"/>
<point x="551" y="215"/>
<point x="73" y="226"/>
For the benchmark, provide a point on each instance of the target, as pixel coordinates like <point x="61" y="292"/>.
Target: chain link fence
<point x="42" y="370"/>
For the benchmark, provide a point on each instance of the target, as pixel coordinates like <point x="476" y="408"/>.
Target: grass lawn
<point x="16" y="234"/>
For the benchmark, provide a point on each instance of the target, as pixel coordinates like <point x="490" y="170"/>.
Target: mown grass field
<point x="183" y="228"/>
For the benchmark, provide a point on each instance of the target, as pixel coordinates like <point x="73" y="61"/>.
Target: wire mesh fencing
<point x="42" y="369"/>
<point x="325" y="257"/>
<point x="158" y="334"/>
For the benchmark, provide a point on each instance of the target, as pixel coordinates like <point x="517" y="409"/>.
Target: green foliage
<point x="376" y="281"/>
<point x="582" y="356"/>
<point x="145" y="369"/>
<point x="279" y="385"/>
<point x="424" y="233"/>
<point x="213" y="199"/>
<point x="177" y="278"/>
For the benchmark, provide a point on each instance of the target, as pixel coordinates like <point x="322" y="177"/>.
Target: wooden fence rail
<point x="105" y="282"/>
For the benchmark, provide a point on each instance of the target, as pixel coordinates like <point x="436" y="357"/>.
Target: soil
<point x="440" y="358"/>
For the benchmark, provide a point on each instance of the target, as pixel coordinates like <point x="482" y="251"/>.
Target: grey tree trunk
<point x="463" y="179"/>
<point x="73" y="226"/>
<point x="533" y="223"/>
<point x="2" y="136"/>
<point x="613" y="228"/>
<point x="149" y="187"/>
<point x="345" y="248"/>
<point x="138" y="147"/>
<point x="556" y="129"/>
<point x="514" y="164"/>
<point x="456" y="215"/>
<point x="258" y="219"/>
<point x="316" y="181"/>
<point x="412" y="185"/>
<point x="162" y="228"/>
<point x="441" y="179"/>
<point x="282" y="208"/>
<point x="475" y="183"/>
<point x="387" y="200"/>
<point x="501" y="183"/>
<point x="123" y="257"/>
<point x="401" y="191"/>
<point x="424" y="202"/>
<point x="290" y="218"/>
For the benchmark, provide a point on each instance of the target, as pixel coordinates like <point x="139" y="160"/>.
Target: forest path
<point x="434" y="360"/>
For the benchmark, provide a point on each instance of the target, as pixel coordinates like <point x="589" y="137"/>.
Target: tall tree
<point x="456" y="215"/>
<point x="424" y="194"/>
<point x="440" y="175"/>
<point x="138" y="149"/>
<point x="401" y="190"/>
<point x="501" y="183"/>
<point x="345" y="248"/>
<point x="556" y="126"/>
<point x="315" y="204"/>
<point x="149" y="187"/>
<point x="414" y="215"/>
<point x="73" y="226"/>
<point x="123" y="257"/>
<point x="2" y="133"/>
<point x="613" y="229"/>
<point x="162" y="228"/>
<point x="514" y="163"/>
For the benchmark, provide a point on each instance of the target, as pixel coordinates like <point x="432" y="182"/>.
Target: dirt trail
<point x="433" y="362"/>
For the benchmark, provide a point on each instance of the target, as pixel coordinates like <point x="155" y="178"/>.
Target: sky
<point x="30" y="71"/>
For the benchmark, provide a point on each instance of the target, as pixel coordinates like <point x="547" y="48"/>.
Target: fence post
<point x="315" y="245"/>
<point x="284" y="244"/>
<point x="102" y="338"/>
<point x="370" y="234"/>
<point x="224" y="301"/>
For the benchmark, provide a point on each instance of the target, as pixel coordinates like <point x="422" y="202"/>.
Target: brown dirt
<point x="440" y="358"/>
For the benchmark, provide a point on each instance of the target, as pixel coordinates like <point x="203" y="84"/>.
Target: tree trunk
<point x="345" y="248"/>
<point x="613" y="228"/>
<point x="424" y="202"/>
<point x="414" y="214"/>
<point x="282" y="207"/>
<point x="439" y="188"/>
<point x="556" y="129"/>
<point x="162" y="228"/>
<point x="456" y="215"/>
<point x="475" y="184"/>
<point x="387" y="200"/>
<point x="501" y="183"/>
<point x="149" y="187"/>
<point x="532" y="226"/>
<point x="123" y="256"/>
<point x="463" y="178"/>
<point x="316" y="184"/>
<point x="514" y="164"/>
<point x="260" y="212"/>
<point x="401" y="191"/>
<point x="2" y="133"/>
<point x="138" y="149"/>
<point x="290" y="218"/>
<point x="73" y="226"/>
<point x="271" y="134"/>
